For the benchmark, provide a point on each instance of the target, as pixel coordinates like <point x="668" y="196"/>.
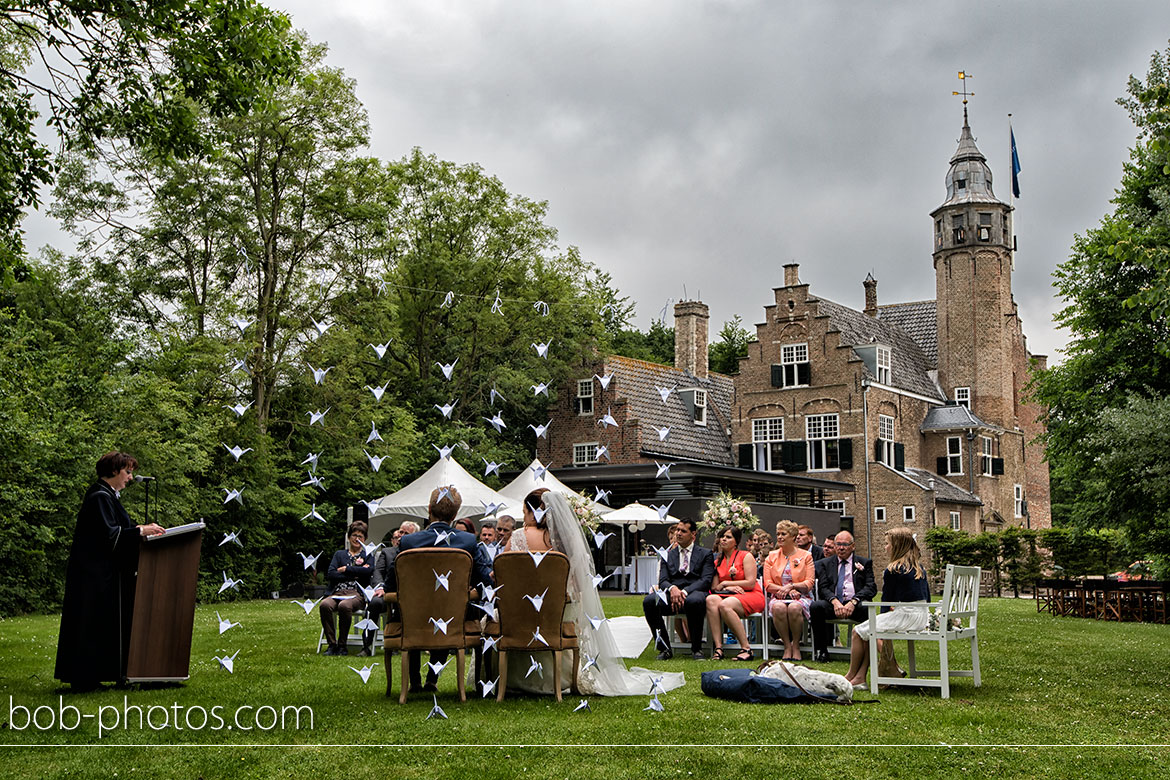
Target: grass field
<point x="1061" y="697"/>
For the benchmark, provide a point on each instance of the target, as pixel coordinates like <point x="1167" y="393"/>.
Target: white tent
<point x="410" y="503"/>
<point x="527" y="481"/>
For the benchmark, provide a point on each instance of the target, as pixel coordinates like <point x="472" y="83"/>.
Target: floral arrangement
<point x="582" y="508"/>
<point x="725" y="509"/>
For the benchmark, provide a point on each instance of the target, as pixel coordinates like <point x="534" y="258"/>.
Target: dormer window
<point x="584" y="402"/>
<point x="884" y="365"/>
<point x="700" y="415"/>
<point x="963" y="396"/>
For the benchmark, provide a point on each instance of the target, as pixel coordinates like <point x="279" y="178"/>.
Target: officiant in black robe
<point x="99" y="581"/>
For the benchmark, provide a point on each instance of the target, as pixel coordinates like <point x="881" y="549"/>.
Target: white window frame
<point x="838" y="505"/>
<point x="584" y="392"/>
<point x="768" y="438"/>
<point x="879" y="514"/>
<point x="955" y="456"/>
<point x="956" y="521"/>
<point x="886" y="438"/>
<point x="963" y="396"/>
<point x="791" y="356"/>
<point x="884" y="366"/>
<point x="823" y="433"/>
<point x="585" y="453"/>
<point x="908" y="514"/>
<point x="700" y="415"/>
<point x="987" y="445"/>
<point x="1018" y="495"/>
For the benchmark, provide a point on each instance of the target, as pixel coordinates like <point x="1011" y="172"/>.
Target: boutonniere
<point x="857" y="566"/>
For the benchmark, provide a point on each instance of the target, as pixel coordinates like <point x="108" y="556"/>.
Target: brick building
<point x="915" y="409"/>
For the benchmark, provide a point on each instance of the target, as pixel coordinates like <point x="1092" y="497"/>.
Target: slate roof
<point x="944" y="489"/>
<point x="953" y="417"/>
<point x="637" y="382"/>
<point x="920" y="321"/>
<point x="910" y="365"/>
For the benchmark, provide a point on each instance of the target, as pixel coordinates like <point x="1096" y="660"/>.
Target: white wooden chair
<point x="954" y="617"/>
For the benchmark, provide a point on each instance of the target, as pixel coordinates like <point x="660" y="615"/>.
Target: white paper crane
<point x="311" y="460"/>
<point x="375" y="461"/>
<point x="437" y="711"/>
<point x="664" y="392"/>
<point x="224" y="625"/>
<point x="536" y="601"/>
<point x="318" y="416"/>
<point x="539" y="388"/>
<point x="233" y="495"/>
<point x="606" y="420"/>
<point x="497" y="422"/>
<point x="491" y="466"/>
<point x="601" y="496"/>
<point x="240" y="323"/>
<point x="599" y="538"/>
<point x="229" y="583"/>
<point x="374" y="435"/>
<point x="320" y="327"/>
<point x="239" y="409"/>
<point x="236" y="452"/>
<point x="540" y="430"/>
<point x="309" y="561"/>
<point x="308" y="604"/>
<point x="542" y="349"/>
<point x="378" y="391"/>
<point x="380" y="349"/>
<point x="228" y="662"/>
<point x="583" y="706"/>
<point x="314" y="514"/>
<point x="234" y="536"/>
<point x="318" y="373"/>
<point x="663" y="433"/>
<point x="447" y="368"/>
<point x="364" y="672"/>
<point x="447" y="408"/>
<point x="442" y="581"/>
<point x="604" y="380"/>
<point x="663" y="470"/>
<point x="440" y="625"/>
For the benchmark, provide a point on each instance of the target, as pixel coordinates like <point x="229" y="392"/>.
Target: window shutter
<point x="747" y="456"/>
<point x="877" y="450"/>
<point x="803" y="374"/>
<point x="900" y="457"/>
<point x="576" y="406"/>
<point x="996" y="466"/>
<point x="795" y="455"/>
<point x="940" y="466"/>
<point x="777" y="375"/>
<point x="845" y="453"/>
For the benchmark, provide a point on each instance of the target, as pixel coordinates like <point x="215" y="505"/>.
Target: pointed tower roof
<point x="969" y="177"/>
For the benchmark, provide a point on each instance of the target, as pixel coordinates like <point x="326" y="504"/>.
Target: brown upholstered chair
<point x="517" y="576"/>
<point x="420" y="600"/>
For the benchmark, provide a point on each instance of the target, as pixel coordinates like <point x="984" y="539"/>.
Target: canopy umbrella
<point x="635" y="517"/>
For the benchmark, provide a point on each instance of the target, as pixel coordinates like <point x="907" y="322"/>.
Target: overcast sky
<point x="705" y="144"/>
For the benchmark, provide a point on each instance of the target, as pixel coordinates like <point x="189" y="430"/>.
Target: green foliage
<point x="1117" y="287"/>
<point x="725" y="354"/>
<point x="1020" y="559"/>
<point x="656" y="345"/>
<point x="1081" y="552"/>
<point x="134" y="69"/>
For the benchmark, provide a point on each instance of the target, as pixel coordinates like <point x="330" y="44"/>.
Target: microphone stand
<point x="146" y="510"/>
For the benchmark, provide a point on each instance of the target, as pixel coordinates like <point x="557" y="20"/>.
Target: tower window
<point x="961" y="184"/>
<point x="984" y="227"/>
<point x="958" y="223"/>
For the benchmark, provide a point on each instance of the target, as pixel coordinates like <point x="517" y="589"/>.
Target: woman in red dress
<point x="735" y="592"/>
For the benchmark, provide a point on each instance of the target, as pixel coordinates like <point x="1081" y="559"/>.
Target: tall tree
<point x="135" y="69"/>
<point x="1117" y="285"/>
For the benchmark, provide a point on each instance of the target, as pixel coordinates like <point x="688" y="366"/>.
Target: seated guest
<point x="349" y="570"/>
<point x="504" y="526"/>
<point x="788" y="579"/>
<point x="829" y="548"/>
<point x="487" y="539"/>
<point x="464" y="524"/>
<point x="759" y="546"/>
<point x="441" y="511"/>
<point x="903" y="580"/>
<point x="735" y="593"/>
<point x="383" y="580"/>
<point x="842" y="583"/>
<point x="807" y="540"/>
<point x="684" y="578"/>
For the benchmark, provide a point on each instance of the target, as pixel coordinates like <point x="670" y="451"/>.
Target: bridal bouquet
<point x="725" y="509"/>
<point x="582" y="508"/>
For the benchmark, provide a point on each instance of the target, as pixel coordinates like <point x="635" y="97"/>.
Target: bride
<point x="558" y="529"/>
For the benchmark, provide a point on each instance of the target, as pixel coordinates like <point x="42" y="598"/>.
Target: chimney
<point x="791" y="274"/>
<point x="690" y="337"/>
<point x="870" y="295"/>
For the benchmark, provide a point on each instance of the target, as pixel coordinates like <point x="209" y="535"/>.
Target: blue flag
<point x="1015" y="166"/>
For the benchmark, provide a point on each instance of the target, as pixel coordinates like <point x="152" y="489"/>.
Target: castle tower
<point x="973" y="279"/>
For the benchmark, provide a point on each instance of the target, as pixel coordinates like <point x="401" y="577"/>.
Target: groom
<point x="684" y="579"/>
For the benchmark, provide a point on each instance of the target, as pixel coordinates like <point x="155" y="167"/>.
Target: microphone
<point x="138" y="478"/>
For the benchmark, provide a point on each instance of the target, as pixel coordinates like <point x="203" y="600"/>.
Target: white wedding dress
<point x="607" y="675"/>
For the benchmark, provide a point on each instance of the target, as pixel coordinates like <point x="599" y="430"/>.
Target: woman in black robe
<point x="99" y="581"/>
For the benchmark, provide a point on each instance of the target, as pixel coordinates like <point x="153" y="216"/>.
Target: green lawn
<point x="1094" y="694"/>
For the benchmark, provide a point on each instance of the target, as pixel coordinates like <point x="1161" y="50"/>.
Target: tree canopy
<point x="142" y="70"/>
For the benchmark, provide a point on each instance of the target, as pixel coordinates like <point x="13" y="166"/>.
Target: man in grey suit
<point x="843" y="582"/>
<point x="684" y="580"/>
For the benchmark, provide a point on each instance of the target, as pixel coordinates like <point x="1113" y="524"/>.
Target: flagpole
<point x="1012" y="188"/>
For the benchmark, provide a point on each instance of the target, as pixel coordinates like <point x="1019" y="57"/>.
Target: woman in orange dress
<point x="735" y="592"/>
<point x="788" y="579"/>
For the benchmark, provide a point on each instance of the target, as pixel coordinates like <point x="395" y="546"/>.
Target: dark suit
<point x="481" y="574"/>
<point x="816" y="551"/>
<point x="383" y="577"/>
<point x="695" y="582"/>
<point x="821" y="610"/>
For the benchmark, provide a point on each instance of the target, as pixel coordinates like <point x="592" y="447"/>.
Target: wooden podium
<point x="164" y="606"/>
